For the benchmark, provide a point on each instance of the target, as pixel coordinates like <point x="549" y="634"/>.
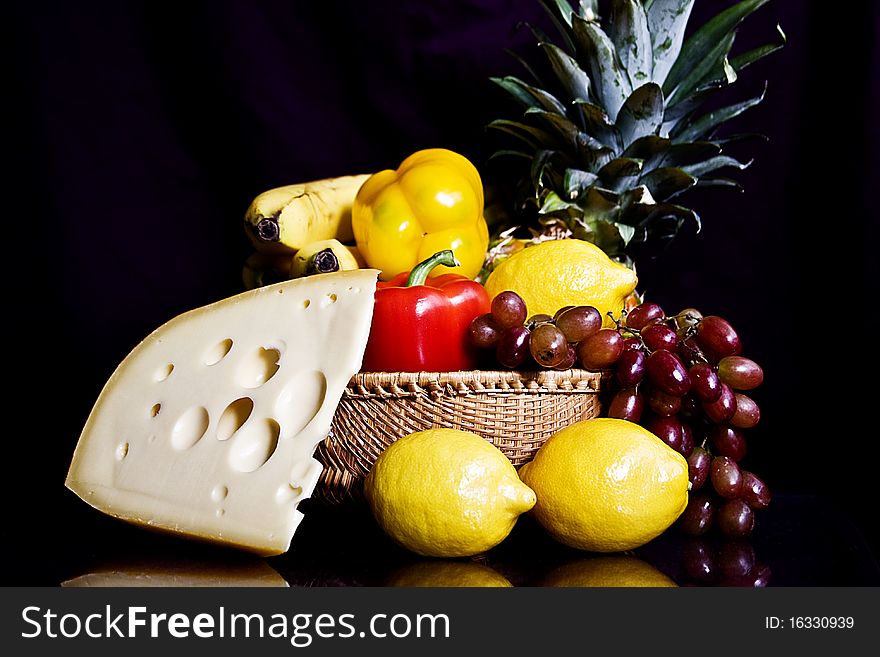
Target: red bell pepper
<point x="420" y="324"/>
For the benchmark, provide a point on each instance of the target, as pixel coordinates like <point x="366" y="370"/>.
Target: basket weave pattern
<point x="515" y="411"/>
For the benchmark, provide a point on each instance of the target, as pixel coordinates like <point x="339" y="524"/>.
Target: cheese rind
<point x="208" y="427"/>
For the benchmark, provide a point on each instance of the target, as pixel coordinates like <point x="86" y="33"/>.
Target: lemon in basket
<point x="568" y="272"/>
<point x="446" y="493"/>
<point x="606" y="485"/>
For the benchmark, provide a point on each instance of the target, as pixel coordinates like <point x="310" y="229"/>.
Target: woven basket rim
<point x="465" y="381"/>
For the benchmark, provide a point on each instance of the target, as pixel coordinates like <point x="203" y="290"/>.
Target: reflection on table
<point x="169" y="572"/>
<point x="800" y="541"/>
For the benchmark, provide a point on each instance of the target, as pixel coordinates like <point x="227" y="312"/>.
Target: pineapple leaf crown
<point x="620" y="136"/>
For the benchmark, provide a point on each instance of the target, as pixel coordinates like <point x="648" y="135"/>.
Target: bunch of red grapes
<point x="681" y="377"/>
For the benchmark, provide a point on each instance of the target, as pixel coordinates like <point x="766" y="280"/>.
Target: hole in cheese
<point x="235" y="415"/>
<point x="121" y="451"/>
<point x="189" y="428"/>
<point x="300" y="400"/>
<point x="218" y="352"/>
<point x="219" y="493"/>
<point x="258" y="367"/>
<point x="163" y="372"/>
<point x="253" y="444"/>
<point x="288" y="493"/>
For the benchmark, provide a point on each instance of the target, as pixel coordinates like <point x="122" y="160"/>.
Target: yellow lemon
<point x="606" y="485"/>
<point x="447" y="573"/>
<point x="446" y="493"/>
<point x="568" y="272"/>
<point x="615" y="570"/>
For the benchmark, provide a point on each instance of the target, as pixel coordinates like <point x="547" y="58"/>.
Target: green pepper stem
<point x="419" y="273"/>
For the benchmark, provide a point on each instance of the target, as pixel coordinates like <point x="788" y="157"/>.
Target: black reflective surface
<point x="140" y="147"/>
<point x="798" y="541"/>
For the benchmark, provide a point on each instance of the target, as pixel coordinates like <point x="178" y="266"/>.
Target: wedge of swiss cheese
<point x="209" y="426"/>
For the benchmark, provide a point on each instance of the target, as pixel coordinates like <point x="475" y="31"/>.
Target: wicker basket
<point x="516" y="411"/>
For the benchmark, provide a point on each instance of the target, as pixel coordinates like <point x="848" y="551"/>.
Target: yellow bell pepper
<point x="433" y="202"/>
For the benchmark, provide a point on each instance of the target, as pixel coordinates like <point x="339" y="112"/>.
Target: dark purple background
<point x="144" y="129"/>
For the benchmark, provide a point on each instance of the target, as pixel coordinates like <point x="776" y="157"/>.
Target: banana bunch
<point x="302" y="229"/>
<point x="285" y="219"/>
<point x="324" y="256"/>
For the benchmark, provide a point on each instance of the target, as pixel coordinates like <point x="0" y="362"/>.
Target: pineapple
<point x="618" y="137"/>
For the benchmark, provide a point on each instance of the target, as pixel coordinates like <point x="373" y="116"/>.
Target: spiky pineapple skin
<point x="618" y="138"/>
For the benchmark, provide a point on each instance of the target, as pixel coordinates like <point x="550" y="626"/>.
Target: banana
<point x="285" y="219"/>
<point x="264" y="269"/>
<point x="322" y="257"/>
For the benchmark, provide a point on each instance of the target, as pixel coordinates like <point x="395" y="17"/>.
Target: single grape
<point x="716" y="338"/>
<point x="513" y="346"/>
<point x="727" y="441"/>
<point x="538" y="319"/>
<point x="736" y="559"/>
<point x="667" y="429"/>
<point x="579" y="323"/>
<point x="723" y="409"/>
<point x="691" y="409"/>
<point x="630" y="368"/>
<point x="687" y="318"/>
<point x="726" y="477"/>
<point x="632" y="343"/>
<point x="662" y="404"/>
<point x="689" y="351"/>
<point x="740" y="373"/>
<point x="760" y="576"/>
<point x="754" y="491"/>
<point x="601" y="350"/>
<point x="697" y="517"/>
<point x="666" y="371"/>
<point x="705" y="383"/>
<point x="687" y="439"/>
<point x="569" y="360"/>
<point x="560" y="311"/>
<point x="735" y="519"/>
<point x="643" y="315"/>
<point x="698" y="467"/>
<point x="627" y="404"/>
<point x="548" y="345"/>
<point x="484" y="331"/>
<point x="508" y="309"/>
<point x="747" y="413"/>
<point x="659" y="336"/>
